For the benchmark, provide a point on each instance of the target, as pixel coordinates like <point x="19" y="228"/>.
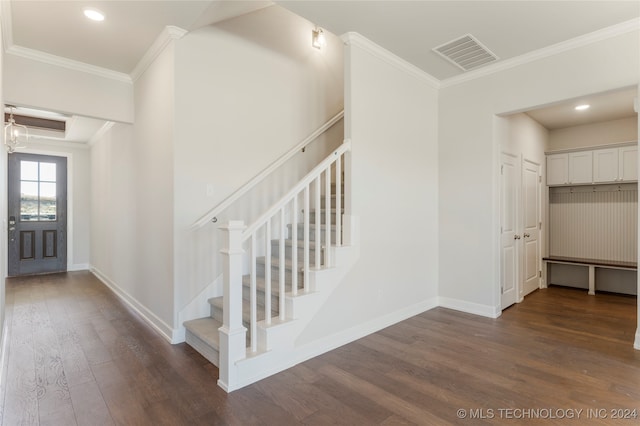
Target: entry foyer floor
<point x="77" y="355"/>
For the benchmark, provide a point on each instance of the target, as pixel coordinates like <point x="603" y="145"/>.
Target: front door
<point x="37" y="192"/>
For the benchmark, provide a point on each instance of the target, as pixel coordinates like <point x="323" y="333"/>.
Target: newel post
<point x="232" y="333"/>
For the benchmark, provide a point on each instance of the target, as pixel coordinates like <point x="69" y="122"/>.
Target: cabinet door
<point x="581" y="167"/>
<point x="605" y="165"/>
<point x="557" y="169"/>
<point x="628" y="163"/>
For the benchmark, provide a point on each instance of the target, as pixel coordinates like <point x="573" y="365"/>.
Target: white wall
<point x="469" y="154"/>
<point x="78" y="194"/>
<point x="596" y="134"/>
<point x="247" y="91"/>
<point x="133" y="199"/>
<point x="392" y="122"/>
<point x="32" y="83"/>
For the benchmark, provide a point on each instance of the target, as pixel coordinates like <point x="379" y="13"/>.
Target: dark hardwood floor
<point x="77" y="355"/>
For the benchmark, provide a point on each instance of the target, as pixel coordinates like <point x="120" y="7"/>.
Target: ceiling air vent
<point x="466" y="52"/>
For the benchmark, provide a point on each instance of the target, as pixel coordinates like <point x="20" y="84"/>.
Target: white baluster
<point x="267" y="274"/>
<point x="307" y="243"/>
<point x="327" y="216"/>
<point x="339" y="202"/>
<point x="318" y="234"/>
<point x="294" y="246"/>
<point x="282" y="266"/>
<point x="253" y="298"/>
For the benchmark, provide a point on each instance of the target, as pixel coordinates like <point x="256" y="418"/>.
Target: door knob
<point x="526" y="235"/>
<point x="516" y="237"/>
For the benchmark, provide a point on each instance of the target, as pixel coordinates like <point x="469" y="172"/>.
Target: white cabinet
<point x="580" y="167"/>
<point x="615" y="164"/>
<point x="628" y="164"/>
<point x="557" y="169"/>
<point x="605" y="165"/>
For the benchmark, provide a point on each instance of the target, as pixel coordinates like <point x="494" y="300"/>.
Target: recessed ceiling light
<point x="94" y="14"/>
<point x="582" y="107"/>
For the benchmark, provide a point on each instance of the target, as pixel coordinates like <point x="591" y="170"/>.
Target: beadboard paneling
<point x="594" y="222"/>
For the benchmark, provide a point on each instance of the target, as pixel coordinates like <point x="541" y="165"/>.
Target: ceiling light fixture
<point x="318" y="40"/>
<point x="582" y="107"/>
<point x="94" y="14"/>
<point x="15" y="135"/>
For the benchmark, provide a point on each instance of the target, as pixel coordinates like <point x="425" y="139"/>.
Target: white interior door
<point x="509" y="259"/>
<point x="531" y="210"/>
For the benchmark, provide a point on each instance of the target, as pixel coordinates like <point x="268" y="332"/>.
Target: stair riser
<point x="288" y="250"/>
<point x="312" y="234"/>
<point x="323" y="218"/>
<point x="323" y="203"/>
<point x="218" y="315"/>
<point x="275" y="273"/>
<point x="246" y="291"/>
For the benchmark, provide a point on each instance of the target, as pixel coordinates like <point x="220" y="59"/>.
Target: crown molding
<point x="545" y="52"/>
<point x="166" y="36"/>
<point x="47" y="58"/>
<point x="356" y="39"/>
<point x="7" y="24"/>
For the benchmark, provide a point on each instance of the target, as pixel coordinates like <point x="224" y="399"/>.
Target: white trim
<point x="149" y="317"/>
<point x="101" y="132"/>
<point x="636" y="344"/>
<point x="78" y="267"/>
<point x="59" y="61"/>
<point x="545" y="52"/>
<point x="7" y="24"/>
<point x="166" y="36"/>
<point x="470" y="307"/>
<point x="358" y="40"/>
<point x="329" y="343"/>
<point x="4" y="349"/>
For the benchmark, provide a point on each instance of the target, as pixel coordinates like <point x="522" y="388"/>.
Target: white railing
<point x="257" y="239"/>
<point x="213" y="213"/>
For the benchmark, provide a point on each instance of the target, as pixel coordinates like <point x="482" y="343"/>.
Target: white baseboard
<point x="4" y="347"/>
<point x="470" y="307"/>
<point x="636" y="344"/>
<point x="149" y="317"/>
<point x="78" y="267"/>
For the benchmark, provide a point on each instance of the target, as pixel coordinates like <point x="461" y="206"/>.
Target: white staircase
<point x="277" y="274"/>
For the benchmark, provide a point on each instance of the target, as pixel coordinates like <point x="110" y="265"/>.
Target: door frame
<point x="70" y="222"/>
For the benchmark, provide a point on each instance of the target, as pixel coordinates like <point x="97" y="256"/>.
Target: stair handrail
<point x="305" y="181"/>
<point x="211" y="215"/>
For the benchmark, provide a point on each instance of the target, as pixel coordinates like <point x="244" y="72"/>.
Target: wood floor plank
<point x="78" y="355"/>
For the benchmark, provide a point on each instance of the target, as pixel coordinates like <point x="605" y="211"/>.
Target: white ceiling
<point x="409" y="29"/>
<point x="603" y="107"/>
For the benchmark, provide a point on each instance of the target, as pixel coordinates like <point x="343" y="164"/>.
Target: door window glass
<point x="38" y="191"/>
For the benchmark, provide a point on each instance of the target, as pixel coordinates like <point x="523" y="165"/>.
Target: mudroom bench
<point x="592" y="264"/>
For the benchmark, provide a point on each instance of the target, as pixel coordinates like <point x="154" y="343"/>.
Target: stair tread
<point x="206" y="329"/>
